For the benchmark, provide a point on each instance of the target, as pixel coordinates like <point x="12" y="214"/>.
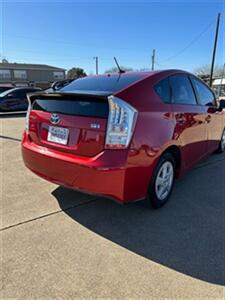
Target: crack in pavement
<point x="46" y="215"/>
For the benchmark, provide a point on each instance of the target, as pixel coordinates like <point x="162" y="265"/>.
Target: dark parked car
<point x="127" y="136"/>
<point x="15" y="99"/>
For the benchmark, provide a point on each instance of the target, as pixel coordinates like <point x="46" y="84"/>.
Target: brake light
<point x="121" y="123"/>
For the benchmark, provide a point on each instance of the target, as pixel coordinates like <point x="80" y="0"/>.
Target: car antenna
<point x="118" y="66"/>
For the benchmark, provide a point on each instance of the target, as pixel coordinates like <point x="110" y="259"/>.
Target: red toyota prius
<point x="125" y="136"/>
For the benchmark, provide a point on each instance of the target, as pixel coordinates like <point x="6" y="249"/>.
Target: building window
<point x="20" y="74"/>
<point x="5" y="74"/>
<point x="58" y="75"/>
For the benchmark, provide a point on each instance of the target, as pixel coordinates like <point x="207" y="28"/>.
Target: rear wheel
<point x="162" y="181"/>
<point x="222" y="143"/>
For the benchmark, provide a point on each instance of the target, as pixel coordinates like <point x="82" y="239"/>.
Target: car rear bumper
<point x="105" y="174"/>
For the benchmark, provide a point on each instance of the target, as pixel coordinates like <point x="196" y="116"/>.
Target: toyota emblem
<point x="55" y="118"/>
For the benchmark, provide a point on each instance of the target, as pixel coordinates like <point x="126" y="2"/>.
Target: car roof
<point x="103" y="93"/>
<point x="141" y="73"/>
<point x="24" y="88"/>
<point x="136" y="73"/>
<point x="27" y="88"/>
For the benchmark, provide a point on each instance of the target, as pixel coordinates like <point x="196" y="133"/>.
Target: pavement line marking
<point x="46" y="215"/>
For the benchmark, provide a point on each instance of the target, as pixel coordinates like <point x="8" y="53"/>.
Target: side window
<point x="23" y="93"/>
<point x="205" y="96"/>
<point x="162" y="88"/>
<point x="182" y="91"/>
<point x="14" y="94"/>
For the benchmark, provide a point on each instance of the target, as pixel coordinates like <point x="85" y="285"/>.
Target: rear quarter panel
<point x="153" y="134"/>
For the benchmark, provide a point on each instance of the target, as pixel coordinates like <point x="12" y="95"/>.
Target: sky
<point x="70" y="33"/>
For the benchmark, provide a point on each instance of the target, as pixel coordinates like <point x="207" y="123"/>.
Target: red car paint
<point x="123" y="174"/>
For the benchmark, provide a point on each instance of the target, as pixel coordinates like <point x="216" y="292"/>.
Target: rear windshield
<point x="108" y="83"/>
<point x="86" y="108"/>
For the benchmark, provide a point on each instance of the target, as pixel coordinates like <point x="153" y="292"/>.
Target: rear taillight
<point x="121" y="123"/>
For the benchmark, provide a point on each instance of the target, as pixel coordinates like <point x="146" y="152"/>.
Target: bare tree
<point x="204" y="71"/>
<point x="115" y="69"/>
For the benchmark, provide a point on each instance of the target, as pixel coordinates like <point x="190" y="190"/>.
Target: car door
<point x="214" y="118"/>
<point x="190" y="128"/>
<point x="10" y="100"/>
<point x="23" y="102"/>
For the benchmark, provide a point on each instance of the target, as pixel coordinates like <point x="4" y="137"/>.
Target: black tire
<point x="152" y="198"/>
<point x="221" y="148"/>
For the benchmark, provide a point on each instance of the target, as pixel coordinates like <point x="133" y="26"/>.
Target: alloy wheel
<point x="223" y="142"/>
<point x="164" y="180"/>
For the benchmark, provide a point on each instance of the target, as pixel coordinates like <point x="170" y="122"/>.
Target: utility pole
<point x="153" y="59"/>
<point x="214" y="49"/>
<point x="96" y="64"/>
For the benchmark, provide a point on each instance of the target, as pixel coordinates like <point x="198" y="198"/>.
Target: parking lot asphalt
<point x="58" y="243"/>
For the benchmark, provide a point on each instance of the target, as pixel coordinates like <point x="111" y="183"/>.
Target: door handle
<point x="208" y="119"/>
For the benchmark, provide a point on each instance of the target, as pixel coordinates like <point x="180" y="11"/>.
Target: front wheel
<point x="162" y="182"/>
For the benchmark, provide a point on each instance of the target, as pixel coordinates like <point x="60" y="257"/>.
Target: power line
<point x="188" y="45"/>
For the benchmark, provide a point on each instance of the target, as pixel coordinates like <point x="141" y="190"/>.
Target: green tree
<point x="75" y="73"/>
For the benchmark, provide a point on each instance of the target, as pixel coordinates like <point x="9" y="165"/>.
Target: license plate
<point x="58" y="135"/>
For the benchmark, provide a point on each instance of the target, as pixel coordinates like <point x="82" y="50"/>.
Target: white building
<point x="219" y="87"/>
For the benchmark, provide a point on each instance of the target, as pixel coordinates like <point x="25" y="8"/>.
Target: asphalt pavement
<point x="58" y="243"/>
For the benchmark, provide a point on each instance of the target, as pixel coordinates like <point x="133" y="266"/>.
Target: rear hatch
<point x="70" y="123"/>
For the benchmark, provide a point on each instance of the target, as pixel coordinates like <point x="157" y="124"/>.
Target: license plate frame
<point x="58" y="135"/>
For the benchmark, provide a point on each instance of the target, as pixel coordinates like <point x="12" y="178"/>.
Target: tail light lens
<point x="121" y="123"/>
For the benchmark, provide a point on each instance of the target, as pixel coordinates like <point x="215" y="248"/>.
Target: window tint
<point x="182" y="91"/>
<point x="82" y="107"/>
<point x="205" y="96"/>
<point x="163" y="90"/>
<point x="24" y="92"/>
<point x="110" y="83"/>
<point x="14" y="94"/>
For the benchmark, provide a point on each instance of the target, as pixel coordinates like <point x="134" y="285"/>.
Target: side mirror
<point x="9" y="95"/>
<point x="222" y="104"/>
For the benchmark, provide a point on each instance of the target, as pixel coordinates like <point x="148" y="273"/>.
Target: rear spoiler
<point x="31" y="97"/>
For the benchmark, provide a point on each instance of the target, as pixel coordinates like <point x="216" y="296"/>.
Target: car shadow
<point x="187" y="234"/>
